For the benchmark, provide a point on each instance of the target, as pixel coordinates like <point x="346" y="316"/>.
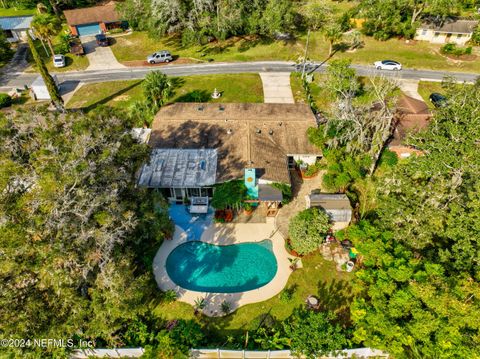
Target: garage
<point x="88" y="29"/>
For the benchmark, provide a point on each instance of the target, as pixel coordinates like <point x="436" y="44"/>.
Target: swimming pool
<point x="205" y="267"/>
<point x="193" y="224"/>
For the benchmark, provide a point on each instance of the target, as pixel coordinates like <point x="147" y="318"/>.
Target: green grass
<point x="421" y="55"/>
<point x="16" y="12"/>
<point x="120" y="94"/>
<point x="318" y="277"/>
<point x="425" y="89"/>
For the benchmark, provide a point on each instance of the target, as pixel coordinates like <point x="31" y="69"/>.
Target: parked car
<point x="438" y="99"/>
<point x="388" y="65"/>
<point x="102" y="40"/>
<point x="58" y="60"/>
<point x="160" y="56"/>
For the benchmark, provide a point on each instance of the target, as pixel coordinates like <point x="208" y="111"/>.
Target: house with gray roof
<point x="15" y="28"/>
<point x="448" y="30"/>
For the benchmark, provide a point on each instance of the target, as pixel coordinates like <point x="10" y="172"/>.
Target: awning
<point x="267" y="193"/>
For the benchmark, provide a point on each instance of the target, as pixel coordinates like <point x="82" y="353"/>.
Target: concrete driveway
<point x="100" y="58"/>
<point x="276" y="87"/>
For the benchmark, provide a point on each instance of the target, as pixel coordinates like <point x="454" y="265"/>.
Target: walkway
<point x="224" y="234"/>
<point x="276" y="87"/>
<point x="410" y="88"/>
<point x="301" y="188"/>
<point x="100" y="58"/>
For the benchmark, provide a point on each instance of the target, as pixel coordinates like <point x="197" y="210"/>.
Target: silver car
<point x="388" y="65"/>
<point x="160" y="56"/>
<point x="58" y="60"/>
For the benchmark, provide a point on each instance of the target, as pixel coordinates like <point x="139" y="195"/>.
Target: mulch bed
<point x="470" y="57"/>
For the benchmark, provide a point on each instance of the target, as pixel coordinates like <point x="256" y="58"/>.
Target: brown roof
<point x="414" y="116"/>
<point x="88" y="15"/>
<point x="245" y="135"/>
<point x="451" y="26"/>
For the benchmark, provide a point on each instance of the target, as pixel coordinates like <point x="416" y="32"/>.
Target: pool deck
<point x="225" y="234"/>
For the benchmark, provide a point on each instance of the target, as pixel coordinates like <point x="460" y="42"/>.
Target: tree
<point x="314" y="334"/>
<point x="342" y="79"/>
<point x="332" y="33"/>
<point x="46" y="26"/>
<point x="49" y="82"/>
<point x="75" y="228"/>
<point x="307" y="230"/>
<point x="157" y="88"/>
<point x="421" y="247"/>
<point x="277" y="17"/>
<point x="229" y="195"/>
<point x="318" y="14"/>
<point x="5" y="48"/>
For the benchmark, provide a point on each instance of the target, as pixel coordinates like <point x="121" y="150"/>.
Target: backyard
<point x="233" y="87"/>
<point x="317" y="277"/>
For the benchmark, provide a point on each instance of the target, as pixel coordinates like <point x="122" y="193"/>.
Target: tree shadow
<point x="195" y="96"/>
<point x="248" y="44"/>
<point x="111" y="97"/>
<point x="336" y="296"/>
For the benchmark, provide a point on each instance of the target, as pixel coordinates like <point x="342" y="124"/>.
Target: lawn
<point x="318" y="277"/>
<point x="421" y="55"/>
<point x="234" y="88"/>
<point x="16" y="12"/>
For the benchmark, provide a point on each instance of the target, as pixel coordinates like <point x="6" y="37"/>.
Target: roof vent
<point x="229" y="131"/>
<point x="258" y="131"/>
<point x="221" y="108"/>
<point x="270" y="132"/>
<point x="280" y="123"/>
<point x="200" y="108"/>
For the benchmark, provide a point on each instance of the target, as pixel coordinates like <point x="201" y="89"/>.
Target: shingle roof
<point x="413" y="116"/>
<point x="452" y="26"/>
<point x="245" y="135"/>
<point x="15" y="22"/>
<point x="94" y="14"/>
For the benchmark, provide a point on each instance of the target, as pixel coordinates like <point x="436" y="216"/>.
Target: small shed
<point x="336" y="205"/>
<point x="39" y="90"/>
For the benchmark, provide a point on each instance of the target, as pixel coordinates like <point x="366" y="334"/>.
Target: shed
<point x="15" y="28"/>
<point x="93" y="20"/>
<point x="336" y="205"/>
<point x="39" y="89"/>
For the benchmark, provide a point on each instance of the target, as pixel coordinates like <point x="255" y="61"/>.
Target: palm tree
<point x="157" y="88"/>
<point x="46" y="26"/>
<point x="332" y="34"/>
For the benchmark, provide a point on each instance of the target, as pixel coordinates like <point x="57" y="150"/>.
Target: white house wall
<point x="308" y="159"/>
<point x="441" y="38"/>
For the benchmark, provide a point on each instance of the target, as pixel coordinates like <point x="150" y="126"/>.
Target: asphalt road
<point x="12" y="80"/>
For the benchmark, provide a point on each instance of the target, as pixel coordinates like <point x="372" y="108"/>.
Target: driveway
<point x="100" y="58"/>
<point x="276" y="87"/>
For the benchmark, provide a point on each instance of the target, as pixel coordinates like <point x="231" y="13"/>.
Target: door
<point x="88" y="29"/>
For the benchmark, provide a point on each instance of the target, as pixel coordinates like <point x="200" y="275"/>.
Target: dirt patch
<point x="144" y="63"/>
<point x="121" y="98"/>
<point x="470" y="57"/>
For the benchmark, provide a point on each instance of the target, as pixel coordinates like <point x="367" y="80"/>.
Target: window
<point x="424" y="32"/>
<point x="437" y="34"/>
<point x="8" y="33"/>
<point x="459" y="36"/>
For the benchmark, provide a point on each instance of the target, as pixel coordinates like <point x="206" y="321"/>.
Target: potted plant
<point x="293" y="263"/>
<point x="247" y="208"/>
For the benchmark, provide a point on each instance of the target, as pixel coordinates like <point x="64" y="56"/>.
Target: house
<point x="93" y="20"/>
<point x="336" y="205"/>
<point x="15" y="28"/>
<point x="447" y="31"/>
<point x="198" y="145"/>
<point x="413" y="115"/>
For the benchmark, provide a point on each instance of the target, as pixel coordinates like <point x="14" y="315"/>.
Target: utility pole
<point x="306" y="52"/>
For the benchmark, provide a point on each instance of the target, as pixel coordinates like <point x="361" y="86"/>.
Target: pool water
<point x="205" y="267"/>
<point x="193" y="224"/>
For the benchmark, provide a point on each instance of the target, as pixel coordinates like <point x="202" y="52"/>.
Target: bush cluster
<point x="5" y="100"/>
<point x="452" y="49"/>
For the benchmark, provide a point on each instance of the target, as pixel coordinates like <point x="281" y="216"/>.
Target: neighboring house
<point x="336" y="205"/>
<point x="447" y="31"/>
<point x="93" y="20"/>
<point x="15" y="28"/>
<point x="198" y="145"/>
<point x="413" y="115"/>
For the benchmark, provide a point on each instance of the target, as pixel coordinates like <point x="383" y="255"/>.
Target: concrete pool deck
<point x="226" y="234"/>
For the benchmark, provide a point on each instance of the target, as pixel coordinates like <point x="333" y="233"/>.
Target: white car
<point x="58" y="60"/>
<point x="388" y="65"/>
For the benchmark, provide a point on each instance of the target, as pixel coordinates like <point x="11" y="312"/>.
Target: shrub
<point x="118" y="30"/>
<point x="307" y="230"/>
<point x="452" y="49"/>
<point x="226" y="307"/>
<point x="229" y="195"/>
<point x="388" y="158"/>
<point x="448" y="48"/>
<point x="169" y="296"/>
<point x="287" y="294"/>
<point x="285" y="189"/>
<point x="5" y="100"/>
